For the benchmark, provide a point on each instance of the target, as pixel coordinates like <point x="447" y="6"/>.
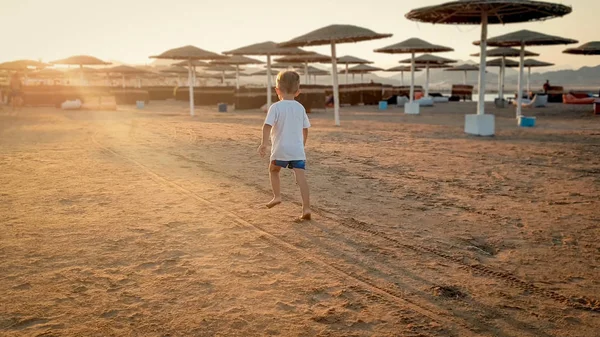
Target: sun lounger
<point x="570" y="99"/>
<point x="462" y="92"/>
<point x="425" y="101"/>
<point x="538" y="101"/>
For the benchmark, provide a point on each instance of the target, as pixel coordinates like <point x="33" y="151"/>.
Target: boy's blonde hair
<point x="288" y="81"/>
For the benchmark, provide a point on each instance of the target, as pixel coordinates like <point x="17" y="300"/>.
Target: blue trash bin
<point x="140" y="104"/>
<point x="383" y="105"/>
<point x="222" y="107"/>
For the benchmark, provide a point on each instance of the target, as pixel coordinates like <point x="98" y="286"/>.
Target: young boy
<point x="287" y="124"/>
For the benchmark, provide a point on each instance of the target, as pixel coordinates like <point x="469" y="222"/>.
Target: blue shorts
<point x="291" y="164"/>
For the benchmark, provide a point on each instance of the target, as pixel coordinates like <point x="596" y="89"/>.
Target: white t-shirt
<point x="288" y="119"/>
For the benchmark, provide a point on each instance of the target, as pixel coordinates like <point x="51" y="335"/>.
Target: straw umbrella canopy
<point x="590" y="48"/>
<point x="267" y="49"/>
<point x="237" y="61"/>
<point x="464" y="68"/>
<point x="484" y="12"/>
<point x="413" y="46"/>
<point x="22" y="65"/>
<point x="503" y="53"/>
<point x="189" y="53"/>
<point x="531" y="63"/>
<point x="521" y="39"/>
<point x="401" y="70"/>
<point x="429" y="60"/>
<point x="81" y="60"/>
<point x="361" y="69"/>
<point x="332" y="35"/>
<point x="305" y="59"/>
<point x="279" y="65"/>
<point x="348" y="59"/>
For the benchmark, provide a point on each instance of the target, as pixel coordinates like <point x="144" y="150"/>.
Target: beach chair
<point x="538" y="101"/>
<point x="571" y="99"/>
<point x="461" y="92"/>
<point x="425" y="101"/>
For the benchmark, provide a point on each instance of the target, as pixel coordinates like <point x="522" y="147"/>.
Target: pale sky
<point x="131" y="30"/>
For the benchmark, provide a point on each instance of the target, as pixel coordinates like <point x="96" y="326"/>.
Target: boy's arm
<point x="266" y="131"/>
<point x="305" y="134"/>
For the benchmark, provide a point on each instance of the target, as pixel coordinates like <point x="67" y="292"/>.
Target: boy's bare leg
<point x="303" y="184"/>
<point x="275" y="185"/>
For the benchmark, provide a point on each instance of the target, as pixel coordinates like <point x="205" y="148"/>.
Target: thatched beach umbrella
<point x="267" y="49"/>
<point x="413" y="46"/>
<point x="484" y="12"/>
<point x="590" y="48"/>
<point x="428" y="61"/>
<point x="332" y="35"/>
<point x="125" y="70"/>
<point x="346" y="60"/>
<point x="222" y="68"/>
<point x="502" y="63"/>
<point x="361" y="69"/>
<point x="305" y="59"/>
<point x="521" y="39"/>
<point x="178" y="70"/>
<point x="401" y="70"/>
<point x="237" y="61"/>
<point x="464" y="68"/>
<point x="194" y="64"/>
<point x="49" y="73"/>
<point x="190" y="54"/>
<point x="531" y="63"/>
<point x="81" y="60"/>
<point x="503" y="53"/>
<point x="314" y="71"/>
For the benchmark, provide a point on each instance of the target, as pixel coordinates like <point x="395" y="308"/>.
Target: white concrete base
<point x="480" y="125"/>
<point x="411" y="108"/>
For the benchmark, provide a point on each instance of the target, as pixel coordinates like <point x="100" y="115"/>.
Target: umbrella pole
<point x="336" y="92"/>
<point x="139" y="81"/>
<point x="528" y="80"/>
<point x="402" y="78"/>
<point x="306" y="76"/>
<point x="361" y="78"/>
<point x="501" y="79"/>
<point x="352" y="77"/>
<point x="465" y="78"/>
<point x="481" y="93"/>
<point x="123" y="80"/>
<point x="81" y="74"/>
<point x="191" y="87"/>
<point x="315" y="78"/>
<point x="237" y="76"/>
<point x="427" y="80"/>
<point x="412" y="78"/>
<point x="520" y="84"/>
<point x="347" y="74"/>
<point x="268" y="81"/>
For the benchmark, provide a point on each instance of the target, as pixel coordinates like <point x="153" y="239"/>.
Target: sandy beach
<point x="152" y="223"/>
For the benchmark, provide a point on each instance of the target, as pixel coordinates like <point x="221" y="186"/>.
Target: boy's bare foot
<point x="273" y="203"/>
<point x="306" y="216"/>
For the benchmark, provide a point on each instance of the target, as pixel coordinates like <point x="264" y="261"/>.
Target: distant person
<point x="546" y="87"/>
<point x="16" y="91"/>
<point x="287" y="124"/>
